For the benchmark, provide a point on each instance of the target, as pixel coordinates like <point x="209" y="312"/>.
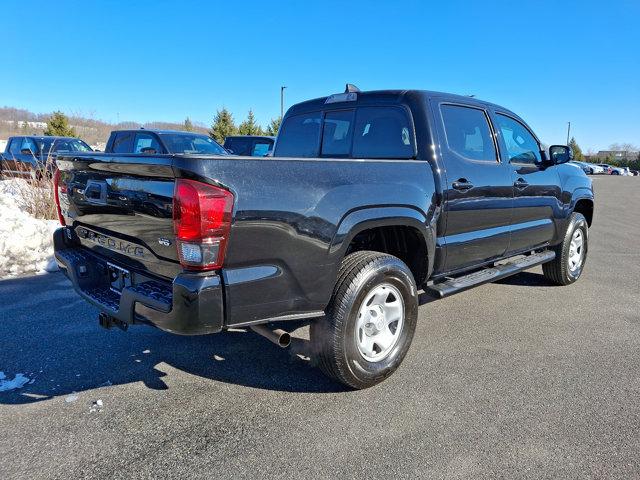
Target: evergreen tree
<point x="577" y="151"/>
<point x="222" y="126"/>
<point x="58" y="125"/>
<point x="274" y="126"/>
<point x="249" y="126"/>
<point x="188" y="126"/>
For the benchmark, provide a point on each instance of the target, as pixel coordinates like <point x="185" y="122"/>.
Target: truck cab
<point x="161" y="142"/>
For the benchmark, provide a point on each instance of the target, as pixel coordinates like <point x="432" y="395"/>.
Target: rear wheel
<point x="571" y="254"/>
<point x="370" y="320"/>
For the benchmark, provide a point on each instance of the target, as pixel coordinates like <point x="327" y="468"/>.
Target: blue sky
<point x="549" y="61"/>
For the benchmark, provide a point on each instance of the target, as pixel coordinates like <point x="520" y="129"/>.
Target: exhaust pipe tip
<point x="278" y="336"/>
<point x="285" y="339"/>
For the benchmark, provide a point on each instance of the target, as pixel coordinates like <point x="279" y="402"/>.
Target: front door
<point x="479" y="188"/>
<point x="537" y="192"/>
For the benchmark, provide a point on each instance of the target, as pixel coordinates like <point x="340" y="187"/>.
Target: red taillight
<point x="57" y="188"/>
<point x="201" y="220"/>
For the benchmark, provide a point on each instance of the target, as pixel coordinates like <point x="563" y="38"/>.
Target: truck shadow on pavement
<point x="52" y="337"/>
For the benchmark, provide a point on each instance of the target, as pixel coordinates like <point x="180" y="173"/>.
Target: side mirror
<point x="560" y="154"/>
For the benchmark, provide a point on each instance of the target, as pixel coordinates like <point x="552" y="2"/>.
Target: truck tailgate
<point x="121" y="207"/>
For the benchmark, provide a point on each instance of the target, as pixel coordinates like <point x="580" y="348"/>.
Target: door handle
<point x="521" y="183"/>
<point x="462" y="184"/>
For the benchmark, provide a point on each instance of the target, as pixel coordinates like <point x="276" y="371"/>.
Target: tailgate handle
<point x="96" y="192"/>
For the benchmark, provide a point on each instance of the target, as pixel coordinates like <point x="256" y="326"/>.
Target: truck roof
<point x="389" y="96"/>
<point x="157" y="131"/>
<point x="45" y="137"/>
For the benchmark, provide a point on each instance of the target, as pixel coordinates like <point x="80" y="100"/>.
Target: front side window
<point x="522" y="147"/>
<point x="299" y="136"/>
<point x="337" y="133"/>
<point x="382" y="132"/>
<point x="468" y="133"/>
<point x="146" y="143"/>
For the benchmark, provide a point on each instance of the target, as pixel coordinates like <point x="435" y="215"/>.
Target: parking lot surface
<point x="514" y="379"/>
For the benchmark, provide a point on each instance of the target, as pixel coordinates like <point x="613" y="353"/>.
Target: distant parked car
<point x="589" y="168"/>
<point x="627" y="171"/>
<point x="635" y="173"/>
<point x="32" y="155"/>
<point x="249" y="145"/>
<point x="158" y="142"/>
<point x="613" y="170"/>
<point x="607" y="168"/>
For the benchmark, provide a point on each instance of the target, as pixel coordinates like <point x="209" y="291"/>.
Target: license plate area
<point x="118" y="278"/>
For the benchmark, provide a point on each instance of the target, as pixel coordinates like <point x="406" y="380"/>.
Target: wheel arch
<point x="411" y="237"/>
<point x="584" y="205"/>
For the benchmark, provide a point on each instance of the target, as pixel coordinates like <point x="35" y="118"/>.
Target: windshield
<point x="63" y="145"/>
<point x="189" y="143"/>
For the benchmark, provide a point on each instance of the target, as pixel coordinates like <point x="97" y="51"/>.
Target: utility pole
<point x="568" y="131"/>
<point x="282" y="101"/>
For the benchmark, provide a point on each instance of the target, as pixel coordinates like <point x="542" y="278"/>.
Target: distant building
<point x="618" y="154"/>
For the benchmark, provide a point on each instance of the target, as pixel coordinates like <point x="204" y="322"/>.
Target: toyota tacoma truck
<point x="370" y="197"/>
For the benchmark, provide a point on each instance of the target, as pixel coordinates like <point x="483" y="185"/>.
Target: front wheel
<point x="370" y="320"/>
<point x="571" y="254"/>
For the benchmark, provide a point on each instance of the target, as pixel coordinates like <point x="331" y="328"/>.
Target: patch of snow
<point x="18" y="381"/>
<point x="146" y="351"/>
<point x="96" y="406"/>
<point x="26" y="243"/>
<point x="71" y="398"/>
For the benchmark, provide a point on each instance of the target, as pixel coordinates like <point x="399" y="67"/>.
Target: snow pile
<point x="18" y="381"/>
<point x="26" y="243"/>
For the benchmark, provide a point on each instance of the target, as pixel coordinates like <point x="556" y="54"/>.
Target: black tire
<point x="558" y="270"/>
<point x="334" y="336"/>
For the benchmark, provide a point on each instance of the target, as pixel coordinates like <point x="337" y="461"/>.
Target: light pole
<point x="568" y="131"/>
<point x="282" y="101"/>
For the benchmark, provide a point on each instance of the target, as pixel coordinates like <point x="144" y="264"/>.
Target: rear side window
<point x="382" y="132"/>
<point x="238" y="145"/>
<point x="521" y="145"/>
<point x="260" y="149"/>
<point x="337" y="133"/>
<point x="146" y="143"/>
<point x="122" y="143"/>
<point x="299" y="136"/>
<point x="468" y="134"/>
<point x="29" y="144"/>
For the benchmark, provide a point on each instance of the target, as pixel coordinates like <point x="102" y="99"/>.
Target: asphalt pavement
<point x="517" y="379"/>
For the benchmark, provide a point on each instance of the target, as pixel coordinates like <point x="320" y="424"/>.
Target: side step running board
<point x="459" y="284"/>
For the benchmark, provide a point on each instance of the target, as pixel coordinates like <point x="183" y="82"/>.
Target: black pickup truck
<point x="370" y="197"/>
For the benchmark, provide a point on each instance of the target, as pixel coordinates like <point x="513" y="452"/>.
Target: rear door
<point x="537" y="192"/>
<point x="479" y="189"/>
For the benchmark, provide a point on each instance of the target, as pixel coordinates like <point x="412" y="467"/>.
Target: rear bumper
<point x="190" y="305"/>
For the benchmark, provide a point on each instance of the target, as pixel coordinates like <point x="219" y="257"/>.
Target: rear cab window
<point x="122" y="142"/>
<point x="384" y="132"/>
